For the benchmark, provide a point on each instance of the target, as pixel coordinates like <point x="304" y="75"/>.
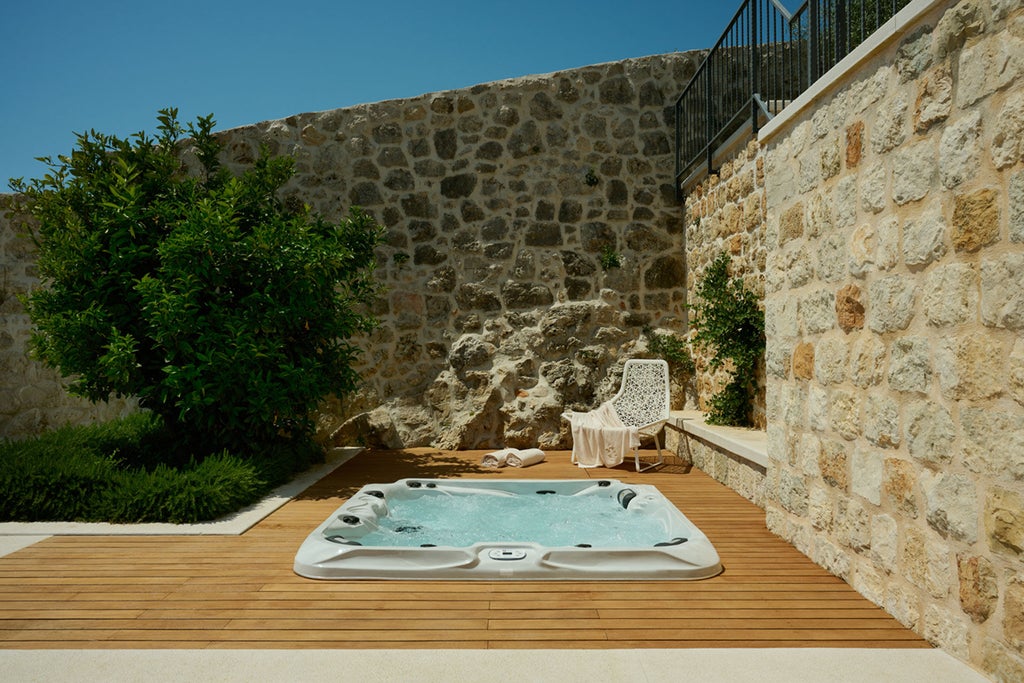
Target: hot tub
<point x="508" y="529"/>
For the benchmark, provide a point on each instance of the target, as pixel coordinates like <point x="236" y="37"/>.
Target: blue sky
<point x="70" y="66"/>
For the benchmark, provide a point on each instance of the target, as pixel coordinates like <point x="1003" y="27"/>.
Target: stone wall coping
<point x="748" y="444"/>
<point x="891" y="30"/>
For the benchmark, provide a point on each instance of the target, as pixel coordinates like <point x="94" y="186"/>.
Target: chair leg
<point x="659" y="461"/>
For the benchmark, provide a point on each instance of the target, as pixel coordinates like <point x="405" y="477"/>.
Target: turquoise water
<point x="550" y="520"/>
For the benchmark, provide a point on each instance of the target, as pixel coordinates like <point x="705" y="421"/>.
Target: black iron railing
<point x="765" y="58"/>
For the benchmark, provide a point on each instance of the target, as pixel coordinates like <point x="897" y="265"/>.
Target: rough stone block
<point x="817" y="408"/>
<point x="803" y="361"/>
<point x="924" y="239"/>
<point x="1013" y="613"/>
<point x="884" y="542"/>
<point x="1004" y="521"/>
<point x="1002" y="292"/>
<point x="820" y="508"/>
<point x="910" y="366"/>
<point x="914" y="557"/>
<point x="1016" y="202"/>
<point x="1015" y="376"/>
<point x="845" y="198"/>
<point x="830" y="361"/>
<point x="1000" y="663"/>
<point x="951" y="294"/>
<point x="903" y="605"/>
<point x="853" y="524"/>
<point x="891" y="303"/>
<point x="889" y="128"/>
<point x="791" y="223"/>
<point x="867" y="361"/>
<point x="970" y="367"/>
<point x="867" y="475"/>
<point x="849" y="309"/>
<point x="863" y="245"/>
<point x="979" y="590"/>
<point x="960" y="151"/>
<point x="817" y="312"/>
<point x="832" y="463"/>
<point x="993" y="441"/>
<point x="913" y="172"/>
<point x="946" y="631"/>
<point x="792" y="492"/>
<point x="833" y="257"/>
<point x="873" y="185"/>
<point x="844" y="413"/>
<point x="951" y="503"/>
<point x="881" y="421"/>
<point x="975" y="220"/>
<point x="930" y="432"/>
<point x="934" y="98"/>
<point x="854" y="144"/>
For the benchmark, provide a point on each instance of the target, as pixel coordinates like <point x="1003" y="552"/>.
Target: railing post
<point x="842" y="32"/>
<point x="812" y="41"/>
<point x="708" y="121"/>
<point x="679" y="148"/>
<point x="755" y="63"/>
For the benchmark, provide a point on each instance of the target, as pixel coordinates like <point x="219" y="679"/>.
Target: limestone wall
<point x="499" y="201"/>
<point x="726" y="213"/>
<point x="895" y="312"/>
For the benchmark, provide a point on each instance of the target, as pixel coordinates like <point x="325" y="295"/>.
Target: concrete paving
<point x="515" y="666"/>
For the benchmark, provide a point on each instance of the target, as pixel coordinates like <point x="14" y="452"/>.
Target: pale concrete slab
<point x="10" y="544"/>
<point x="513" y="666"/>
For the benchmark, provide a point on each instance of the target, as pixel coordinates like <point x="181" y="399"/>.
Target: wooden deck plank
<point x="240" y="592"/>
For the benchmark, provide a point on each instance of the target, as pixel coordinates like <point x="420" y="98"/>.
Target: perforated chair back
<point x="643" y="399"/>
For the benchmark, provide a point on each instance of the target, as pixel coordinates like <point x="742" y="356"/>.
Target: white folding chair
<point x="643" y="402"/>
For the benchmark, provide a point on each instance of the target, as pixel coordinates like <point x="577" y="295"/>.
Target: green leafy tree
<point x="730" y="323"/>
<point x="227" y="312"/>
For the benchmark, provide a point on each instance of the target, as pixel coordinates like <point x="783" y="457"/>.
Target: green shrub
<point x="118" y="472"/>
<point x="225" y="310"/>
<point x="672" y="349"/>
<point x="220" y="484"/>
<point x="730" y="323"/>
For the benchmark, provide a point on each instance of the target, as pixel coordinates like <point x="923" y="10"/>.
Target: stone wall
<point x="726" y="213"/>
<point x="499" y="201"/>
<point x="745" y="478"/>
<point x="895" y="312"/>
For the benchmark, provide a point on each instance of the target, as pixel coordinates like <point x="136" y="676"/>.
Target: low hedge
<point x="132" y="470"/>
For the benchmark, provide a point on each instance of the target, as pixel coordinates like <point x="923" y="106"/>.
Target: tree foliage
<point x="226" y="311"/>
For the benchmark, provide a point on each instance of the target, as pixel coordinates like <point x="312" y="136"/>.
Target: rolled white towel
<point x="496" y="459"/>
<point x="525" y="458"/>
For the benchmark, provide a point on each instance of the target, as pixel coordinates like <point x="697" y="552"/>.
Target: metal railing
<point x="765" y="58"/>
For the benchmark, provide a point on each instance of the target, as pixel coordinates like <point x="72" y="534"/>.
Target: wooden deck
<point x="240" y="592"/>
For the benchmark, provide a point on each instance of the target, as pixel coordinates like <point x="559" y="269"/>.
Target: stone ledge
<point x="747" y="444"/>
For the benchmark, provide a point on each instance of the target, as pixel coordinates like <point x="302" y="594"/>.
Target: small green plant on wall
<point x="729" y="323"/>
<point x="609" y="258"/>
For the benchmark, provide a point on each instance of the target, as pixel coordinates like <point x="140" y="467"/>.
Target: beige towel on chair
<point x="600" y="438"/>
<point x="525" y="458"/>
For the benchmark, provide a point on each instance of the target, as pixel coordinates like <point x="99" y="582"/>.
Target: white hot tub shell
<point x="334" y="549"/>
